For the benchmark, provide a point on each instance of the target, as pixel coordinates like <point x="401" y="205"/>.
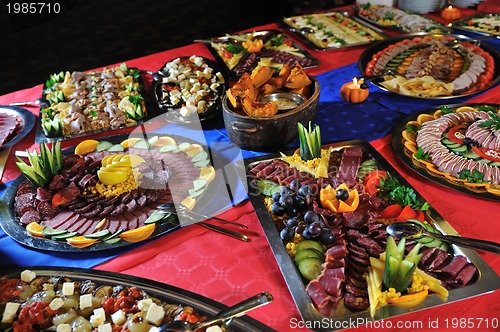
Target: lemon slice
<point x="86" y="146"/>
<point x="35" y="229"/>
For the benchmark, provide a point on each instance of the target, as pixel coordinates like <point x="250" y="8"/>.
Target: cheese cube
<point x="56" y="303"/>
<point x="85" y="301"/>
<point x="10" y="312"/>
<point x="27" y="275"/>
<point x="119" y="317"/>
<point x="47" y="287"/>
<point x="155" y="314"/>
<point x="68" y="288"/>
<point x="198" y="61"/>
<point x="215" y="328"/>
<point x="143" y="305"/>
<point x="63" y="328"/>
<point x="105" y="328"/>
<point x="220" y="77"/>
<point x="98" y="318"/>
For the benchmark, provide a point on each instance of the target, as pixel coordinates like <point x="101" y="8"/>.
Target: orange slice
<point x="424" y="118"/>
<point x="86" y="146"/>
<point x="80" y="241"/>
<point x="35" y="229"/>
<point x="138" y="234"/>
<point x="207" y="173"/>
<point x="164" y="140"/>
<point x="466" y="109"/>
<point x="409" y="300"/>
<point x="411" y="137"/>
<point x="192" y="149"/>
<point x="130" y="142"/>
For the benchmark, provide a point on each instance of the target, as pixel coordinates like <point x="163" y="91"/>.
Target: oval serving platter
<point x="27" y="122"/>
<point x="402" y="145"/>
<point x="11" y="226"/>
<point x="368" y="54"/>
<point x="173" y="112"/>
<point x="163" y="292"/>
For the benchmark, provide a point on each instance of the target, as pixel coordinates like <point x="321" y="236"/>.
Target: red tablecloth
<point x="228" y="270"/>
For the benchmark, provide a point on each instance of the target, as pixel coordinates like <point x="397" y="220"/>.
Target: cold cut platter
<point x="485" y="24"/>
<point x="104" y="194"/>
<point x="241" y="53"/>
<point x="85" y="103"/>
<point x="15" y="124"/>
<point x="332" y="30"/>
<point x="92" y="300"/>
<point x="454" y="145"/>
<point x="191" y="89"/>
<point x="325" y="220"/>
<point x="397" y="19"/>
<point x="431" y="66"/>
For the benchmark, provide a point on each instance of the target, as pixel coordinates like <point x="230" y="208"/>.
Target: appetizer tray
<point x="15" y="124"/>
<point x="332" y="30"/>
<point x="99" y="283"/>
<point x="269" y="47"/>
<point x="399" y="20"/>
<point x="484" y="24"/>
<point x="86" y="103"/>
<point x="95" y="219"/>
<point x="475" y="68"/>
<point x="415" y="153"/>
<point x="191" y="89"/>
<point x="483" y="281"/>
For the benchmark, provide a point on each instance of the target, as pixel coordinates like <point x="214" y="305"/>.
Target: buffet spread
<point x="324" y="208"/>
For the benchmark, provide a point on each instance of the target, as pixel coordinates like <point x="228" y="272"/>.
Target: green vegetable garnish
<point x="412" y="128"/>
<point x="277" y="40"/>
<point x="398" y="271"/>
<point x="421" y="155"/>
<point x="475" y="177"/>
<point x="445" y="109"/>
<point x="42" y="167"/>
<point x="495" y="119"/>
<point x="234" y="49"/>
<point x="391" y="188"/>
<point x="310" y="141"/>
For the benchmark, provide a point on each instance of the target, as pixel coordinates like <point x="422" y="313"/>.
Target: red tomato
<point x="392" y="211"/>
<point x="407" y="213"/>
<point x="59" y="199"/>
<point x="376" y="172"/>
<point x="457" y="134"/>
<point x="490" y="154"/>
<point x="226" y="54"/>
<point x="420" y="215"/>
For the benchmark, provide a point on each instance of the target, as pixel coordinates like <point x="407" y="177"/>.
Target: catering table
<point x="228" y="270"/>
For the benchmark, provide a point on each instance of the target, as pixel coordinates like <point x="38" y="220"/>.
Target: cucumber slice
<point x="306" y="253"/>
<point x="99" y="235"/>
<point x="453" y="146"/>
<point x="156" y="216"/>
<point x="103" y="146"/>
<point x="444" y="246"/>
<point x="460" y="149"/>
<point x="484" y="161"/>
<point x="64" y="236"/>
<point x="141" y="144"/>
<point x="310" y="267"/>
<point x="310" y="244"/>
<point x="445" y="135"/>
<point x="49" y="231"/>
<point x="115" y="234"/>
<point x="153" y="139"/>
<point x="268" y="187"/>
<point x="184" y="145"/>
<point x="448" y="142"/>
<point x="471" y="155"/>
<point x="113" y="240"/>
<point x="169" y="148"/>
<point x="202" y="163"/>
<point x="495" y="164"/>
<point x="199" y="184"/>
<point x="202" y="155"/>
<point x="435" y="243"/>
<point x="195" y="193"/>
<point x="116" y="148"/>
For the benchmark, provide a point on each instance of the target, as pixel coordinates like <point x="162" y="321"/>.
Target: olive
<point x="292" y="222"/>
<point x="305" y="191"/>
<point x="295" y="185"/>
<point x="327" y="236"/>
<point x="287" y="234"/>
<point x="286" y="200"/>
<point x="292" y="211"/>
<point x="276" y="196"/>
<point x="342" y="194"/>
<point x="285" y="190"/>
<point x="300" y="202"/>
<point x="277" y="209"/>
<point x="311" y="217"/>
<point x="467" y="141"/>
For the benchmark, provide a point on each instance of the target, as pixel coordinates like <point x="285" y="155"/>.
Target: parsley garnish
<point x="421" y="155"/>
<point x="486" y="108"/>
<point x="446" y="110"/>
<point x="388" y="16"/>
<point x="234" y="49"/>
<point x="412" y="128"/>
<point x="493" y="123"/>
<point x="391" y="188"/>
<point x="321" y="26"/>
<point x="277" y="40"/>
<point x="475" y="177"/>
<point x="136" y="100"/>
<point x="93" y="114"/>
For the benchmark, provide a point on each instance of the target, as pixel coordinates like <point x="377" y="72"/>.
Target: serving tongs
<point x="413" y="230"/>
<point x="232" y="312"/>
<point x="40" y="102"/>
<point x="369" y="78"/>
<point x="457" y="42"/>
<point x="182" y="211"/>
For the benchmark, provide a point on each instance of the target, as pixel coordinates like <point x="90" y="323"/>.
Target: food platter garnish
<point x="472" y="160"/>
<point x="333" y="230"/>
<point x="105" y="193"/>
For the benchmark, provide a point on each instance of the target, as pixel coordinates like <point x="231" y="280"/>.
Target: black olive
<point x="342" y="194"/>
<point x="467" y="141"/>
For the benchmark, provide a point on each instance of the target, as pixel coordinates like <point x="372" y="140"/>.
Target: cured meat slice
<point x="30" y="216"/>
<point x="465" y="275"/>
<point x="451" y="270"/>
<point x="355" y="302"/>
<point x="68" y="222"/>
<point x="58" y="219"/>
<point x="331" y="285"/>
<point x="349" y="165"/>
<point x="318" y="295"/>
